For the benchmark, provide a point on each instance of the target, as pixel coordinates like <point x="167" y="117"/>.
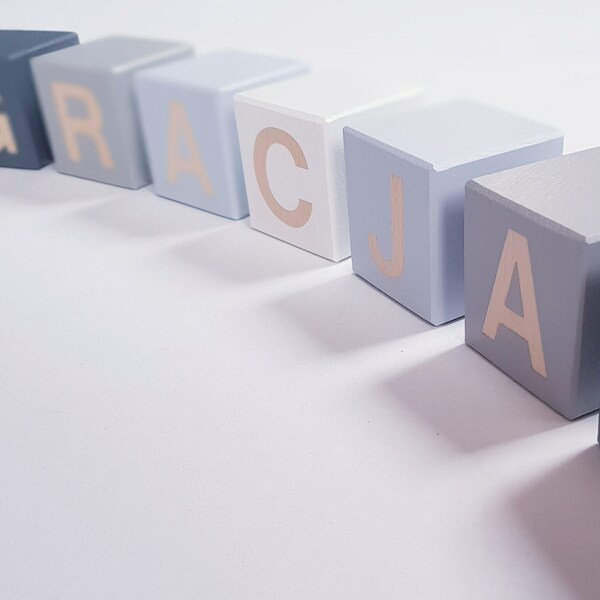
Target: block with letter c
<point x="291" y="143"/>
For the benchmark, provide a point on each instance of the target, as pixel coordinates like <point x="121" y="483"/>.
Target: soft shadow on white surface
<point x="561" y="512"/>
<point x="480" y="407"/>
<point x="141" y="214"/>
<point x="51" y="190"/>
<point x="346" y="313"/>
<point x="240" y="254"/>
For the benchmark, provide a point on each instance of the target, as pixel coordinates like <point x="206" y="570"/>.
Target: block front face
<point x="524" y="297"/>
<point x="284" y="169"/>
<point x="23" y="140"/>
<point x="385" y="193"/>
<point x="90" y="109"/>
<point x="187" y="113"/>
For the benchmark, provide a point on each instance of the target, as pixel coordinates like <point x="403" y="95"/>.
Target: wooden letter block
<point x="188" y="120"/>
<point x="406" y="186"/>
<point x="292" y="152"/>
<point x="532" y="277"/>
<point x="23" y="141"/>
<point x="86" y="94"/>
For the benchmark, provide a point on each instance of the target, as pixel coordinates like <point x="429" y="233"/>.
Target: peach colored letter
<point x="180" y="129"/>
<point x="515" y="254"/>
<point x="394" y="266"/>
<point x="299" y="216"/>
<point x="90" y="125"/>
<point x="7" y="138"/>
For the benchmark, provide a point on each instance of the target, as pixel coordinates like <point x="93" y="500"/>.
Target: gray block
<point x="88" y="104"/>
<point x="532" y="277"/>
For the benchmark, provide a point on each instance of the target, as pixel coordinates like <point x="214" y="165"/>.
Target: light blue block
<point x="430" y="154"/>
<point x="86" y="96"/>
<point x="187" y="116"/>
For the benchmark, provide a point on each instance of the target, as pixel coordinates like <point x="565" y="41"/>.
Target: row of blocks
<point x="340" y="164"/>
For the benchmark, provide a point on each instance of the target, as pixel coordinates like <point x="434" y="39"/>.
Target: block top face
<point x="455" y="133"/>
<point x="327" y="95"/>
<point x="561" y="193"/>
<point x="15" y="44"/>
<point x="223" y="71"/>
<point x="115" y="54"/>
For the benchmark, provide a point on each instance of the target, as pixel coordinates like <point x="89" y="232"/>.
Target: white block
<point x="291" y="140"/>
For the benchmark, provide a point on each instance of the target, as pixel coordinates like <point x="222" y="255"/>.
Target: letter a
<point x="90" y="125"/>
<point x="299" y="216"/>
<point x="394" y="266"/>
<point x="180" y="128"/>
<point x="7" y="138"/>
<point x="515" y="254"/>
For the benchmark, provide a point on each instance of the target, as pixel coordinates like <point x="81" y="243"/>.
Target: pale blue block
<point x="204" y="86"/>
<point x="98" y="77"/>
<point x="435" y="151"/>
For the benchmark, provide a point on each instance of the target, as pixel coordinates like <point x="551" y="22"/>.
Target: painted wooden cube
<point x="187" y="115"/>
<point x="292" y="152"/>
<point x="532" y="277"/>
<point x="406" y="185"/>
<point x="23" y="140"/>
<point x="86" y="95"/>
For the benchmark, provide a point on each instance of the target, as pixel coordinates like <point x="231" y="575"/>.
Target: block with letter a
<point x="186" y="109"/>
<point x="291" y="140"/>
<point x="405" y="180"/>
<point x="86" y="95"/>
<point x="532" y="277"/>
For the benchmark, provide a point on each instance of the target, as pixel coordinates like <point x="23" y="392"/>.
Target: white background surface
<point x="191" y="409"/>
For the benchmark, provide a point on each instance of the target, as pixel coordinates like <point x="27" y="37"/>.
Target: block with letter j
<point x="406" y="181"/>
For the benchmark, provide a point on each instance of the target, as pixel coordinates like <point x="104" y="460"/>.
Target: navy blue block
<point x="23" y="140"/>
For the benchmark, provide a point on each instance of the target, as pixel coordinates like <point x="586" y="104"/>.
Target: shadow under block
<point x="23" y="140"/>
<point x="532" y="277"/>
<point x="86" y="95"/>
<point x="293" y="157"/>
<point x="406" y="184"/>
<point x="187" y="115"/>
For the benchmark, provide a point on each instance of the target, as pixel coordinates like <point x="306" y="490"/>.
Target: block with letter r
<point x="86" y="95"/>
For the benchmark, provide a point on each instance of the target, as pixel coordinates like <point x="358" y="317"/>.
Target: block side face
<point x="369" y="171"/>
<point x="447" y="197"/>
<point x="288" y="182"/>
<point x="558" y="275"/>
<point x="588" y="384"/>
